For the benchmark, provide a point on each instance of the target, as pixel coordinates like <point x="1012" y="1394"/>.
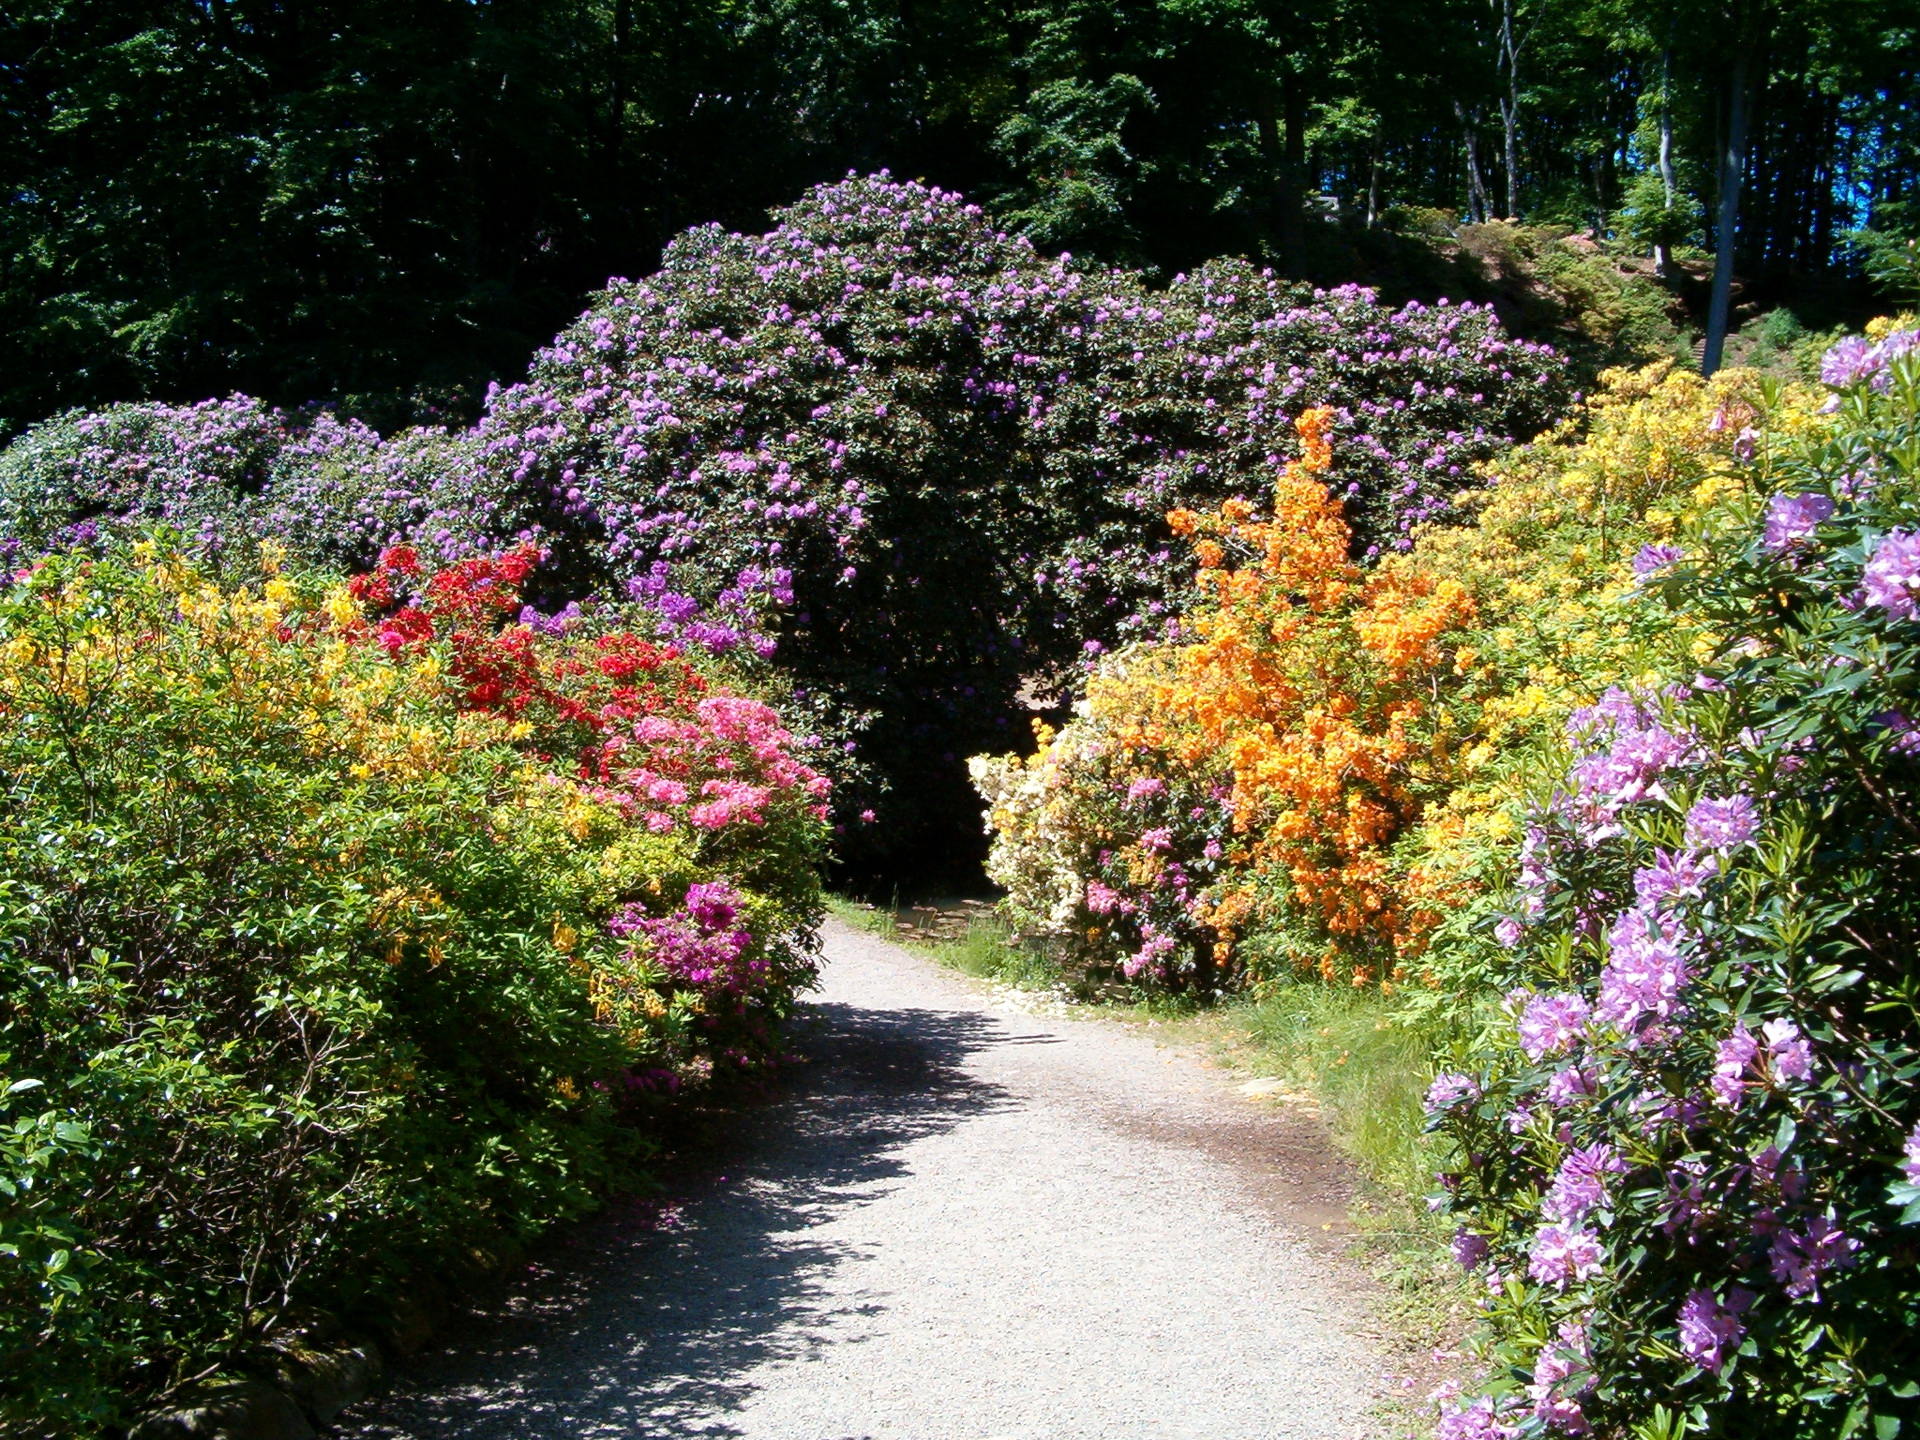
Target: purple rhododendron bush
<point x="927" y="463"/>
<point x="1687" y="1156"/>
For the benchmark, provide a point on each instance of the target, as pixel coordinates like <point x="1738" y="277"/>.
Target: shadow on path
<point x="647" y="1323"/>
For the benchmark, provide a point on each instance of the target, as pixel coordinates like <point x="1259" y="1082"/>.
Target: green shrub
<point x="340" y="943"/>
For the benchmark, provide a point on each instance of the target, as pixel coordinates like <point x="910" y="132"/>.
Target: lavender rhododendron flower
<point x="1653" y="558"/>
<point x="1792" y="519"/>
<point x="1799" y="1260"/>
<point x="1787" y="1050"/>
<point x="1733" y="1058"/>
<point x="1580" y="1187"/>
<point x="1722" y="824"/>
<point x="1569" y="1084"/>
<point x="1552" y="1023"/>
<point x="1673" y="876"/>
<point x="1847" y="362"/>
<point x="1449" y="1089"/>
<point x="1477" y="1419"/>
<point x="1910" y="1166"/>
<point x="1645" y="971"/>
<point x="1710" y="1330"/>
<point x="1562" y="1254"/>
<point x="1893" y="574"/>
<point x="1469" y="1249"/>
<point x="1561" y="1374"/>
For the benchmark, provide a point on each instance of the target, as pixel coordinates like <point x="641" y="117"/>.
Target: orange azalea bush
<point x="1313" y="776"/>
<point x="1257" y="770"/>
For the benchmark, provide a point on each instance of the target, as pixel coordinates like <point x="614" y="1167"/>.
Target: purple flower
<point x="1562" y="1372"/>
<point x="1469" y="1249"/>
<point x="1722" y="824"/>
<point x="1449" y="1089"/>
<point x="1792" y="519"/>
<point x="1568" y="1085"/>
<point x="1847" y="363"/>
<point x="1893" y="573"/>
<point x="1552" y="1023"/>
<point x="1478" y="1419"/>
<point x="1508" y="931"/>
<point x="1580" y="1187"/>
<point x="1710" y="1330"/>
<point x="1644" y="972"/>
<point x="1798" y="1261"/>
<point x="1906" y="735"/>
<point x="1145" y="787"/>
<point x="1652" y="559"/>
<point x="1562" y="1254"/>
<point x="1673" y="875"/>
<point x="1910" y="1167"/>
<point x="1787" y="1050"/>
<point x="1731" y="1060"/>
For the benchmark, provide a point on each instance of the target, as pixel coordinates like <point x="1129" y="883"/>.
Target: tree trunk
<point x="1373" y="183"/>
<point x="1662" y="254"/>
<point x="1733" y="167"/>
<point x="1477" y="207"/>
<point x="1510" y="109"/>
<point x="1283" y="135"/>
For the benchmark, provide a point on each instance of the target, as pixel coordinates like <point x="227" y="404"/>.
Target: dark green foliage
<point x="385" y="206"/>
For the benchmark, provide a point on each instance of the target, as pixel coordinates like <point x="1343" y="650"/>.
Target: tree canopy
<point x="385" y="206"/>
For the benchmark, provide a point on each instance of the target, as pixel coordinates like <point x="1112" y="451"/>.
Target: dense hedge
<point x="345" y="937"/>
<point x="929" y="462"/>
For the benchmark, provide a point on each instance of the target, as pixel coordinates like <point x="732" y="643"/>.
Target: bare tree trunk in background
<point x="1662" y="253"/>
<point x="1283" y="135"/>
<point x="1373" y="183"/>
<point x="1733" y="167"/>
<point x="1510" y="108"/>
<point x="1477" y="206"/>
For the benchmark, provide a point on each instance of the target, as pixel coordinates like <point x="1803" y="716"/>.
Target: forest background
<point x="386" y="207"/>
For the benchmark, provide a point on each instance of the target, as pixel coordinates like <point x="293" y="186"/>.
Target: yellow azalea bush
<point x="1310" y="777"/>
<point x="349" y="933"/>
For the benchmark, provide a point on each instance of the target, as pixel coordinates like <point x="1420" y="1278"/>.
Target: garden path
<point x="961" y="1221"/>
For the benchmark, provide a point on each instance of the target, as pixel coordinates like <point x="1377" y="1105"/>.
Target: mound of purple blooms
<point x="959" y="453"/>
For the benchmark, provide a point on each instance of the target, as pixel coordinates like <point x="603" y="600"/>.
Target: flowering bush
<point x="1295" y="727"/>
<point x="1367" y="726"/>
<point x="1692" y="1145"/>
<point x="1108" y="840"/>
<point x="345" y="932"/>
<point x="930" y="463"/>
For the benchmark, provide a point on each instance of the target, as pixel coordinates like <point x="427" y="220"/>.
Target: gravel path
<point x="962" y="1222"/>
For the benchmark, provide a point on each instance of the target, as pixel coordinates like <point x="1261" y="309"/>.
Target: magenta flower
<point x="1709" y="1330"/>
<point x="1644" y="973"/>
<point x="1798" y="1261"/>
<point x="1580" y="1187"/>
<point x="1568" y="1085"/>
<point x="1673" y="876"/>
<point x="1561" y="1373"/>
<point x="1847" y="363"/>
<point x="1469" y="1249"/>
<point x="1787" y="1050"/>
<point x="1478" y="1419"/>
